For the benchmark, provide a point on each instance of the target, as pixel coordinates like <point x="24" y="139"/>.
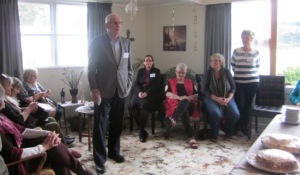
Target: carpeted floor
<point x="173" y="156"/>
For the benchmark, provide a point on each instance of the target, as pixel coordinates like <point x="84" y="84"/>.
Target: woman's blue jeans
<point x="215" y="113"/>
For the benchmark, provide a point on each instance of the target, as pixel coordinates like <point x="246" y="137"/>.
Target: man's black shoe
<point x="145" y="133"/>
<point x="142" y="137"/>
<point x="116" y="157"/>
<point x="100" y="169"/>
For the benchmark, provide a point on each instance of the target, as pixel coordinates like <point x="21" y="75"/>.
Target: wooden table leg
<point x="89" y="131"/>
<point x="80" y="127"/>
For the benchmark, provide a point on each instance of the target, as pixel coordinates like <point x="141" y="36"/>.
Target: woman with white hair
<point x="219" y="87"/>
<point x="181" y="97"/>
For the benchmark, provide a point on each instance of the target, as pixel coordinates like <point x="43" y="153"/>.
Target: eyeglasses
<point x="116" y="23"/>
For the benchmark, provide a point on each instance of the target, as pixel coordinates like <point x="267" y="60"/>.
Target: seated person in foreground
<point x="181" y="102"/>
<point x="146" y="94"/>
<point x="295" y="94"/>
<point x="23" y="116"/>
<point x="34" y="91"/>
<point x="219" y="87"/>
<point x="17" y="146"/>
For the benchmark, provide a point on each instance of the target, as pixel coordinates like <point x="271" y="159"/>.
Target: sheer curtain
<point x="96" y="18"/>
<point x="217" y="32"/>
<point x="10" y="39"/>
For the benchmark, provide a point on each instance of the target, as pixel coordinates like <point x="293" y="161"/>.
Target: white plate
<point x="252" y="161"/>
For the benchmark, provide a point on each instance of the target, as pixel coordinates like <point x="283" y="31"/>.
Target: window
<point x="255" y="16"/>
<point x="288" y="40"/>
<point x="53" y="34"/>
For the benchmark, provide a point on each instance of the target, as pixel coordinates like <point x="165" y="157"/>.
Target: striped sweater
<point x="245" y="65"/>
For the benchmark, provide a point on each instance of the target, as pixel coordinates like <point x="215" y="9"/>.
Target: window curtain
<point x="218" y="32"/>
<point x="96" y="18"/>
<point x="10" y="39"/>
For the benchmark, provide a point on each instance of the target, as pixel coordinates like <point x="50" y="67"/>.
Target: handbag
<point x="41" y="116"/>
<point x="204" y="133"/>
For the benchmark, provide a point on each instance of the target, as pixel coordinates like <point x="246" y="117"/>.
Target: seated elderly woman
<point x="295" y="94"/>
<point x="17" y="146"/>
<point x="34" y="91"/>
<point x="146" y="94"/>
<point x="181" y="97"/>
<point x="22" y="116"/>
<point x="219" y="87"/>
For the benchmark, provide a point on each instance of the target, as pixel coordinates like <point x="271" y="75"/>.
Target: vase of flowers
<point x="74" y="93"/>
<point x="72" y="78"/>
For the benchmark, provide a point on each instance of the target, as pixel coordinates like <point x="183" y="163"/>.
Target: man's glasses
<point x="116" y="23"/>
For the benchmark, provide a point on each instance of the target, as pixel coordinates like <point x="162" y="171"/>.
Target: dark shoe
<point x="145" y="133"/>
<point x="69" y="141"/>
<point x="82" y="170"/>
<point x="100" y="169"/>
<point x="142" y="137"/>
<point x="116" y="157"/>
<point x="75" y="154"/>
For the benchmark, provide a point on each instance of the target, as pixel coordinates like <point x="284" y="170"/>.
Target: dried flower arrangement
<point x="71" y="77"/>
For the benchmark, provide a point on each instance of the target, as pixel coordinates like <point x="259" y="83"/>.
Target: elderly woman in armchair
<point x="17" y="146"/>
<point x="181" y="97"/>
<point x="219" y="87"/>
<point x="34" y="91"/>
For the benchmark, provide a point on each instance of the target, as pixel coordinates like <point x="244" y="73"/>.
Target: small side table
<point x="84" y="111"/>
<point x="65" y="105"/>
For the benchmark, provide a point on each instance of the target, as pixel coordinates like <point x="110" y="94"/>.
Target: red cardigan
<point x="171" y="104"/>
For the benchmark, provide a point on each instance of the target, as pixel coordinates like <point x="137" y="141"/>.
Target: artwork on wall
<point x="174" y="38"/>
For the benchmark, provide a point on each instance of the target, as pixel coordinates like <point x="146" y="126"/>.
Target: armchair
<point x="269" y="99"/>
<point x="39" y="170"/>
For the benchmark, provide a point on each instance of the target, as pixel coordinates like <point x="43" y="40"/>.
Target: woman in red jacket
<point x="181" y="97"/>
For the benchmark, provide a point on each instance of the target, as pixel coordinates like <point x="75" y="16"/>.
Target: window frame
<point x="53" y="35"/>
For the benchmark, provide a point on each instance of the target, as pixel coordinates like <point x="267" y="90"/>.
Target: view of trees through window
<point x="288" y="40"/>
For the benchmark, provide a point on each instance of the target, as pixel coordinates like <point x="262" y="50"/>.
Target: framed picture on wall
<point x="174" y="38"/>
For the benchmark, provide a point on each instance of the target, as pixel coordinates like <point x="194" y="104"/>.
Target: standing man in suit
<point x="110" y="79"/>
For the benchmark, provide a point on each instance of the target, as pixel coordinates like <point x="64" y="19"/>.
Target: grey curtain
<point x="10" y="39"/>
<point x="218" y="32"/>
<point x="96" y="18"/>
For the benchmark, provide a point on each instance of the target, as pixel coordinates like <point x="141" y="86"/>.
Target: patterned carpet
<point x="173" y="156"/>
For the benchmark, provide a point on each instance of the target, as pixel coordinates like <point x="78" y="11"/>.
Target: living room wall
<point x="147" y="30"/>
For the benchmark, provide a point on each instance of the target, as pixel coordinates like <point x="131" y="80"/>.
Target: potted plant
<point x="72" y="78"/>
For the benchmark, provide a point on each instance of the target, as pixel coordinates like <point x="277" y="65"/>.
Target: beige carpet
<point x="173" y="156"/>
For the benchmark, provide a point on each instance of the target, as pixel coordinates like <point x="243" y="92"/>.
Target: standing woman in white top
<point x="245" y="63"/>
